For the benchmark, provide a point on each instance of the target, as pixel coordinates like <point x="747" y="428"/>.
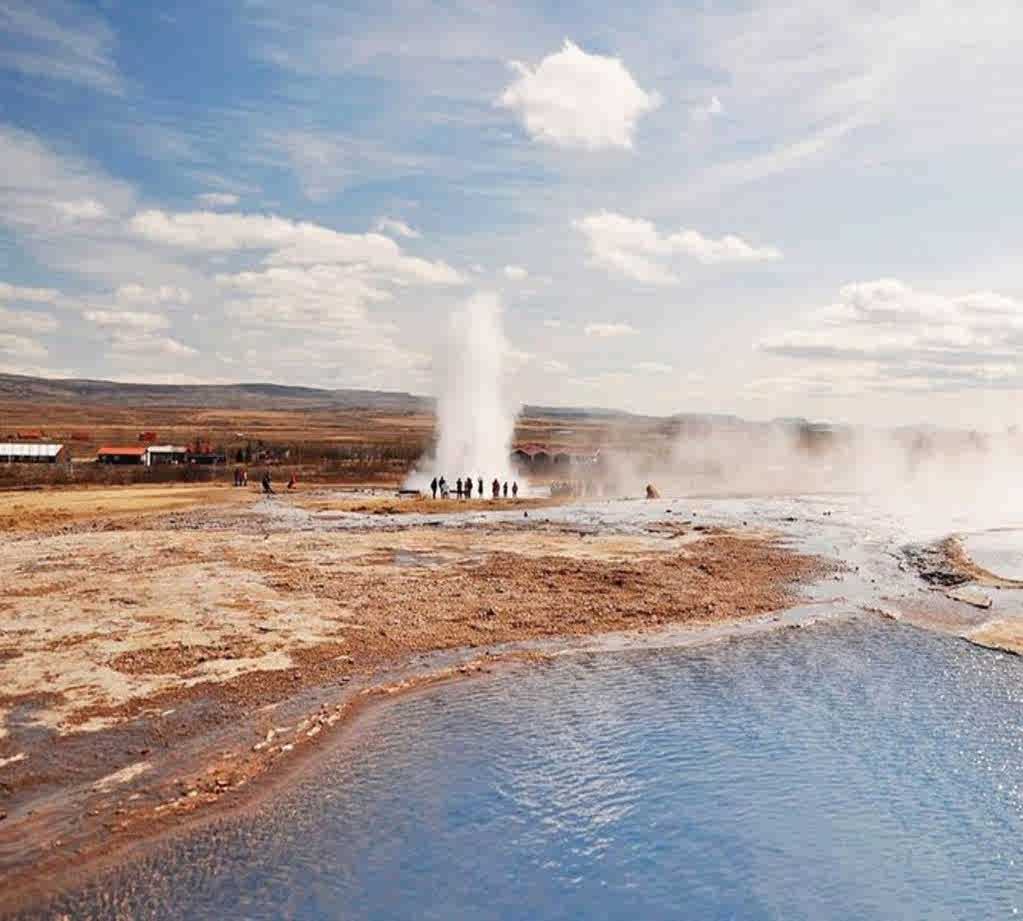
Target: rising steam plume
<point x="475" y="419"/>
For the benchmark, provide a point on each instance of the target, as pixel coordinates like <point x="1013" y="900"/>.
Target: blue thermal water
<point x="841" y="771"/>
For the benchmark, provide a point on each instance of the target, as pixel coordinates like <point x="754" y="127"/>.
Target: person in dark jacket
<point x="468" y="487"/>
<point x="433" y="487"/>
<point x="495" y="488"/>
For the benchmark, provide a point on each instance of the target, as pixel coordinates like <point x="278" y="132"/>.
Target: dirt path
<point x="32" y="511"/>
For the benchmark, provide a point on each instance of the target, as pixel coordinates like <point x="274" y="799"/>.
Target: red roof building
<point x="121" y="454"/>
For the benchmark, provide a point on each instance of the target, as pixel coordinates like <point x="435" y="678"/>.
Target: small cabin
<point x="32" y="453"/>
<point x="166" y="454"/>
<point x="121" y="454"/>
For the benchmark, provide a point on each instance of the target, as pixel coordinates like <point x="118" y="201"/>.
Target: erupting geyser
<point x="475" y="422"/>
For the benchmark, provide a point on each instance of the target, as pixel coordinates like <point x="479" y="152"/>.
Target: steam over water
<point x="475" y="420"/>
<point x="840" y="771"/>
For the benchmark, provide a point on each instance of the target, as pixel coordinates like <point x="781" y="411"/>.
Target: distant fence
<point x="356" y="469"/>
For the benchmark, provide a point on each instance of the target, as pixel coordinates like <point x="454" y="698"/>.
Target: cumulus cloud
<point x="160" y="294"/>
<point x="127" y="319"/>
<point x="287" y="242"/>
<point x="608" y="330"/>
<point x="29" y="321"/>
<point x="51" y="204"/>
<point x="578" y="100"/>
<point x="80" y="210"/>
<point x="633" y="248"/>
<point x="399" y="228"/>
<point x="887" y="335"/>
<point x="18" y="293"/>
<point x="142" y="344"/>
<point x="217" y="199"/>
<point x="304" y="297"/>
<point x="515" y="273"/>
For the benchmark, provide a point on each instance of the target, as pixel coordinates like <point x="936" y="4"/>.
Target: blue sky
<point x="768" y="208"/>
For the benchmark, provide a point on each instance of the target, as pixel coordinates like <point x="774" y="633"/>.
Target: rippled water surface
<point x="840" y="771"/>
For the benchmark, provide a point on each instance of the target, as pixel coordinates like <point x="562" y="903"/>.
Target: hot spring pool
<point x="858" y="770"/>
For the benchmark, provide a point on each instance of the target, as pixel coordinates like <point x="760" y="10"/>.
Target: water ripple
<point x="853" y="771"/>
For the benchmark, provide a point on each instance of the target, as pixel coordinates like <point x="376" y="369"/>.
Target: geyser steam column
<point x="474" y="419"/>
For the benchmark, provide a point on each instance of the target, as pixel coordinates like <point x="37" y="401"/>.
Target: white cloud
<point x="634" y="249"/>
<point x="81" y="209"/>
<point x="578" y="100"/>
<point x="161" y="294"/>
<point x="142" y="344"/>
<point x="127" y="319"/>
<point x="396" y="227"/>
<point x="515" y="273"/>
<point x="653" y="367"/>
<point x="21" y="347"/>
<point x="51" y="40"/>
<point x="217" y="199"/>
<point x="308" y="297"/>
<point x="29" y="321"/>
<point x="886" y="335"/>
<point x="608" y="330"/>
<point x="28" y="295"/>
<point x="288" y="242"/>
<point x="41" y="192"/>
<point x="327" y="163"/>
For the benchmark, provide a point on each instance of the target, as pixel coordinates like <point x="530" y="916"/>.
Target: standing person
<point x="293" y="481"/>
<point x="433" y="487"/>
<point x="479" y="487"/>
<point x="443" y="484"/>
<point x="267" y="487"/>
<point x="515" y="489"/>
<point x="245" y="477"/>
<point x="468" y="487"/>
<point x="506" y="489"/>
<point x="495" y="488"/>
<point x="458" y="487"/>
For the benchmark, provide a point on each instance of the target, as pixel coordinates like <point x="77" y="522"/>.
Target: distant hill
<point x="220" y="396"/>
<point x="256" y="396"/>
<point x="247" y="396"/>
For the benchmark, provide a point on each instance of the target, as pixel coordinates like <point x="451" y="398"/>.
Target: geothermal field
<point x="175" y="649"/>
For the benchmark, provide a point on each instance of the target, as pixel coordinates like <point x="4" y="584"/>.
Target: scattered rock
<point x="970" y="596"/>
<point x="651" y="491"/>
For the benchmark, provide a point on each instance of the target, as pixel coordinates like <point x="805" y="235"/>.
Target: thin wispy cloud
<point x="53" y="40"/>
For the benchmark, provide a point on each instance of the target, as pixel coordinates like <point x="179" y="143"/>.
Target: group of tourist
<point x="463" y="488"/>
